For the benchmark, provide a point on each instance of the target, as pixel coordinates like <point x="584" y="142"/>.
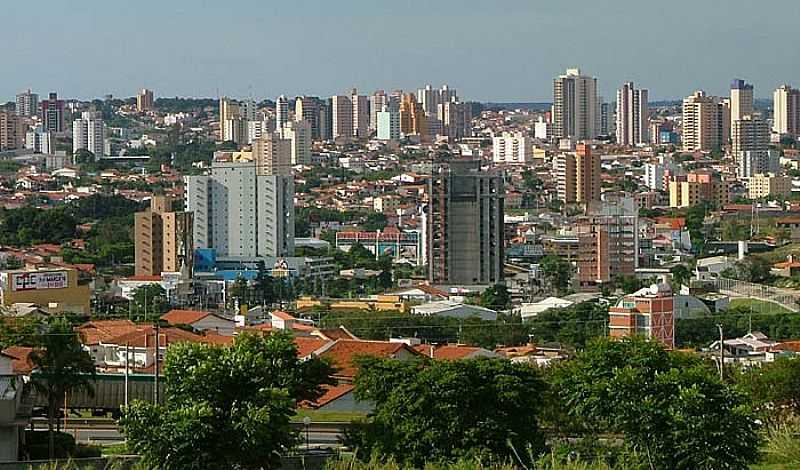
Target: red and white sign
<point x="39" y="280"/>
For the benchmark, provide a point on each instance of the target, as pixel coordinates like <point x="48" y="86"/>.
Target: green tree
<point x="150" y="300"/>
<point x="225" y="407"/>
<point x="575" y="325"/>
<point x="680" y="275"/>
<point x="752" y="269"/>
<point x="83" y="156"/>
<point x="774" y="387"/>
<point x="63" y="366"/>
<point x="445" y="410"/>
<point x="496" y="297"/>
<point x="557" y="273"/>
<point x="670" y="407"/>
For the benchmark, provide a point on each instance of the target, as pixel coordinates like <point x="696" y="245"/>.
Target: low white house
<point x="531" y="310"/>
<point x="14" y="415"/>
<point x="450" y="308"/>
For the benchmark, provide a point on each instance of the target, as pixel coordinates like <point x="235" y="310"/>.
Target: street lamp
<point x="307" y="424"/>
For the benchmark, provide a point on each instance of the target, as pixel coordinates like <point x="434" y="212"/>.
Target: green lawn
<point x="328" y="416"/>
<point x="759" y="306"/>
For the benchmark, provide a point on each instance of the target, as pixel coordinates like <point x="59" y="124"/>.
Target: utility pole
<point x="721" y="353"/>
<point x="156" y="362"/>
<point x="127" y="368"/>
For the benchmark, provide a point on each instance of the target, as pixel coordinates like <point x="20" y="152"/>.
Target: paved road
<point x="105" y="431"/>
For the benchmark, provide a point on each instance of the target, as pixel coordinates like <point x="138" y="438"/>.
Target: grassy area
<point x="780" y="254"/>
<point x="115" y="449"/>
<point x="758" y="306"/>
<point x="328" y="416"/>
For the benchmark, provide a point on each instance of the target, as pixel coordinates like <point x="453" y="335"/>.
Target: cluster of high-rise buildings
<point x="428" y="113"/>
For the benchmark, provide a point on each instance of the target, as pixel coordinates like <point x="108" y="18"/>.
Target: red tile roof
<point x="143" y="278"/>
<point x="184" y="317"/>
<point x="307" y="345"/>
<point x="146" y="336"/>
<point x="449" y="352"/>
<point x="793" y="346"/>
<point x="282" y="315"/>
<point x="95" y="331"/>
<point x="21" y="362"/>
<point x="332" y="393"/>
<point x="343" y="352"/>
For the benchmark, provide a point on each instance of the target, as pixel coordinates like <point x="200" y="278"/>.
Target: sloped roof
<point x="450" y="352"/>
<point x="343" y="352"/>
<point x="97" y="331"/>
<point x="21" y="359"/>
<point x="308" y="344"/>
<point x="184" y="317"/>
<point x="332" y="393"/>
<point x="145" y="335"/>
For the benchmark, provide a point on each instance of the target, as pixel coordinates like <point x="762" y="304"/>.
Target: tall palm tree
<point x="63" y="366"/>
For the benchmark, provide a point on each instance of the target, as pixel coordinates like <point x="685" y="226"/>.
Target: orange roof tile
<point x="97" y="331"/>
<point x="448" y="352"/>
<point x="331" y="393"/>
<point x="146" y="336"/>
<point x="21" y="362"/>
<point x="343" y="352"/>
<point x="184" y="317"/>
<point x="307" y="344"/>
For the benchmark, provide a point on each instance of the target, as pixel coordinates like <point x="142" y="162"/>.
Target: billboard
<point x="39" y="280"/>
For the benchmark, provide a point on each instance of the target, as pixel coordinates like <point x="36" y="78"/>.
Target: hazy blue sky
<point x="501" y="50"/>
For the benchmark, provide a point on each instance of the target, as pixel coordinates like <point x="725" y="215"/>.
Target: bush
<point x="38" y="448"/>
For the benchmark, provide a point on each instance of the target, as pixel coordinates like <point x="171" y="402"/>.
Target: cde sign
<point x="37" y="280"/>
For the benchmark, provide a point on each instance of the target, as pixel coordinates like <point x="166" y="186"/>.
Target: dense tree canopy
<point x="225" y="407"/>
<point x="443" y="410"/>
<point x="669" y="406"/>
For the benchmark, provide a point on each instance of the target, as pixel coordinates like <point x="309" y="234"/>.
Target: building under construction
<point x="464" y="224"/>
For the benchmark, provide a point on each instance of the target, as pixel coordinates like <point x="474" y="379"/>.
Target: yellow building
<point x="162" y="238"/>
<point x="760" y="186"/>
<point x="381" y="302"/>
<point x="55" y="290"/>
<point x="699" y="187"/>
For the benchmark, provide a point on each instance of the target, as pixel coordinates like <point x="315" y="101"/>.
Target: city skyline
<point x="372" y="46"/>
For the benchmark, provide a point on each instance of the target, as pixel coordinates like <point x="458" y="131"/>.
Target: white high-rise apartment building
<point x="632" y="116"/>
<point x="360" y="115"/>
<point x="575" y="106"/>
<point x="389" y="124"/>
<point x="27" y="104"/>
<point x="512" y="149"/>
<point x="89" y="133"/>
<point x="750" y="146"/>
<point x="281" y="111"/>
<point x="786" y="104"/>
<point x="299" y="134"/>
<point x="741" y="100"/>
<point x="376" y="103"/>
<point x="245" y="208"/>
<point x="342" y="119"/>
<point x="39" y="141"/>
<point x="257" y="128"/>
<point x="701" y="123"/>
<point x="248" y="110"/>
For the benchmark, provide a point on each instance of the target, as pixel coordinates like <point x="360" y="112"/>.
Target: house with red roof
<point x="453" y="352"/>
<point x="200" y="321"/>
<point x="138" y="349"/>
<point x="343" y="354"/>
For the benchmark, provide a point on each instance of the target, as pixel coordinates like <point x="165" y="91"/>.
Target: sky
<point x="489" y="50"/>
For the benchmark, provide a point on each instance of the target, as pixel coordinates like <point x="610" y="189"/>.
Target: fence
<point x="788" y="299"/>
